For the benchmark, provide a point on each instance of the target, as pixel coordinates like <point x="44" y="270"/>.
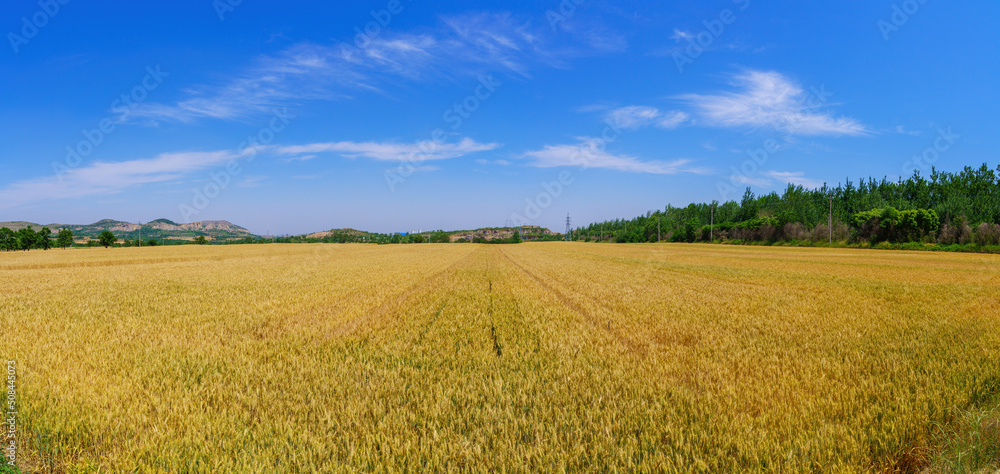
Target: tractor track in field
<point x="430" y="324"/>
<point x="337" y="305"/>
<point x="497" y="347"/>
<point x="419" y="288"/>
<point x="589" y="317"/>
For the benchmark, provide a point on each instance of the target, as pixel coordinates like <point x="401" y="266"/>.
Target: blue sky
<point x="399" y="115"/>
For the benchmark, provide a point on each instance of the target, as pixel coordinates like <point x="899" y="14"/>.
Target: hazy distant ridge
<point x="157" y="229"/>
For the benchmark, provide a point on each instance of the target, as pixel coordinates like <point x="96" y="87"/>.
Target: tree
<point x="65" y="238"/>
<point x="8" y="240"/>
<point x="152" y="243"/>
<point x="44" y="239"/>
<point x="26" y="238"/>
<point x="200" y="240"/>
<point x="107" y="238"/>
<point x="440" y="237"/>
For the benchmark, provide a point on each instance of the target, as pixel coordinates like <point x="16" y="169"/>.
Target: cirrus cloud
<point x="769" y="100"/>
<point x="103" y="178"/>
<point x="426" y="150"/>
<point x="462" y="46"/>
<point x="589" y="154"/>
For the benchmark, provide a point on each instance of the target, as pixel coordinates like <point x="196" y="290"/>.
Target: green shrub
<point x="891" y="225"/>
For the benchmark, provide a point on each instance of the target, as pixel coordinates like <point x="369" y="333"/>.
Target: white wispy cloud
<point x="427" y="150"/>
<point x="462" y="46"/>
<point x="638" y="116"/>
<point x="103" y="178"/>
<point x="251" y="181"/>
<point x="794" y="177"/>
<point x="606" y="41"/>
<point x="483" y="161"/>
<point x="494" y="40"/>
<point x="772" y="101"/>
<point x="672" y="119"/>
<point x="298" y="158"/>
<point x="687" y="40"/>
<point x="420" y="169"/>
<point x="595" y="107"/>
<point x="767" y="179"/>
<point x="593" y="31"/>
<point x="681" y="35"/>
<point x="752" y="180"/>
<point x="588" y="154"/>
<point x="904" y="131"/>
<point x="634" y="116"/>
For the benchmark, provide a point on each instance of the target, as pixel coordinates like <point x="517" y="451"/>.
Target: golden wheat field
<point x="508" y="358"/>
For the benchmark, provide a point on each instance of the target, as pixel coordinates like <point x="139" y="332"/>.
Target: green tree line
<point x="947" y="208"/>
<point x="28" y="239"/>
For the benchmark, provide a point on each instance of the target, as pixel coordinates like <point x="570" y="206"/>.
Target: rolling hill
<point x="160" y="229"/>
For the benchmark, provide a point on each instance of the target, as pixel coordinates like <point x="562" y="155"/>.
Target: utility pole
<point x="140" y="233"/>
<point x="831" y="218"/>
<point x="569" y="236"/>
<point x="711" y="230"/>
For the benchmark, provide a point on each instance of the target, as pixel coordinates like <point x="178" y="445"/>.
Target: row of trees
<point x="513" y="239"/>
<point x="436" y="237"/>
<point x="349" y="238"/>
<point x="27" y="239"/>
<point x="962" y="207"/>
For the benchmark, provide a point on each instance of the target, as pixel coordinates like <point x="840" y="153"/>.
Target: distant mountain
<point x="159" y="229"/>
<point x="338" y="232"/>
<point x="487" y="234"/>
<point x="18" y="225"/>
<point x="528" y="232"/>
